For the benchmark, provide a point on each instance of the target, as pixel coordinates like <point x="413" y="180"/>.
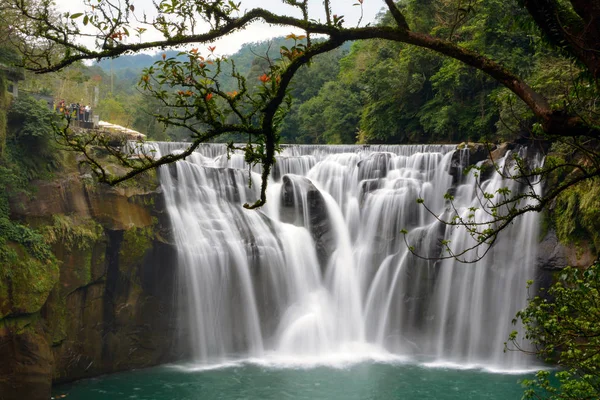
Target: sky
<point x="260" y="31"/>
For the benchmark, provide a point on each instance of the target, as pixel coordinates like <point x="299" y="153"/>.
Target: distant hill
<point x="132" y="61"/>
<point x="251" y="61"/>
<point x="128" y="65"/>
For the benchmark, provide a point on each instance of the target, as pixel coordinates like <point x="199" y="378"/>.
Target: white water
<point x="322" y="272"/>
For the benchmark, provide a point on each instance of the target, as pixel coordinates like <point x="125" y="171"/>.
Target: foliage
<point x="31" y="120"/>
<point x="577" y="215"/>
<point x="476" y="48"/>
<point x="136" y="242"/>
<point x="72" y="232"/>
<point x="563" y="323"/>
<point x="114" y="110"/>
<point x="13" y="232"/>
<point x="3" y="109"/>
<point x="395" y="93"/>
<point x="28" y="278"/>
<point x="331" y="117"/>
<point x="311" y="83"/>
<point x="25" y="257"/>
<point x="30" y="138"/>
<point x="436" y="70"/>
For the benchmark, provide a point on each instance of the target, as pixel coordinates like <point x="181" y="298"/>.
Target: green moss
<point x="90" y="261"/>
<point x="136" y="242"/>
<point x="577" y="214"/>
<point x="4" y="283"/>
<point x="22" y="323"/>
<point x="28" y="269"/>
<point x="74" y="232"/>
<point x="56" y="317"/>
<point x="27" y="281"/>
<point x="85" y="272"/>
<point x="2" y="131"/>
<point x="546" y="224"/>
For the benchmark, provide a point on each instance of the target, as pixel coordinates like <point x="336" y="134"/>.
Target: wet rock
<point x="552" y="255"/>
<point x="370" y="185"/>
<point x="367" y="186"/>
<point x="27" y="362"/>
<point x="299" y="197"/>
<point x="467" y="154"/>
<point x="478" y="152"/>
<point x="109" y="307"/>
<point x="374" y="167"/>
<point x="500" y="151"/>
<point x="125" y="319"/>
<point x="457" y="165"/>
<point x="171" y="170"/>
<point x="489" y="165"/>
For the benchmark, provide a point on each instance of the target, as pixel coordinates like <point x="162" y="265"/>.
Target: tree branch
<point x="398" y="17"/>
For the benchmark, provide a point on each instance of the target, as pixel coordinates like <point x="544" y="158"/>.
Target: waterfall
<point x="323" y="268"/>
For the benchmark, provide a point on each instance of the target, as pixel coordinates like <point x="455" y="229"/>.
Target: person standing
<point x="87" y="113"/>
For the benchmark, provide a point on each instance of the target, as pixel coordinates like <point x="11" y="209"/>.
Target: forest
<point x="373" y="91"/>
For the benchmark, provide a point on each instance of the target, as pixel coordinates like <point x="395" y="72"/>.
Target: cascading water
<point x="323" y="269"/>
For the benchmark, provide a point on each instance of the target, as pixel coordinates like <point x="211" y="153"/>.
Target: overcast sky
<point x="260" y="31"/>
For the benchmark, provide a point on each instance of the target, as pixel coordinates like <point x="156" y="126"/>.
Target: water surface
<point x="256" y="381"/>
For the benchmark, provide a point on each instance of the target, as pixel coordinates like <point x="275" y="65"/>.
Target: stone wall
<point x="106" y="305"/>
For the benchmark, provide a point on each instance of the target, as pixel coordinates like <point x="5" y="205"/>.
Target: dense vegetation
<point x="25" y="254"/>
<point x="563" y="325"/>
<point x="378" y="91"/>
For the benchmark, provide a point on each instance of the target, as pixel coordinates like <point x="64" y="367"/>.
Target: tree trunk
<point x="577" y="31"/>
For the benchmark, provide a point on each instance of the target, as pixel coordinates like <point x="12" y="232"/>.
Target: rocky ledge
<point x="106" y="304"/>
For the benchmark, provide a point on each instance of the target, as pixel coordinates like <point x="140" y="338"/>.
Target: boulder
<point x="375" y="166"/>
<point x="552" y="255"/>
<point x="294" y="190"/>
<point x="467" y="154"/>
<point x="501" y="150"/>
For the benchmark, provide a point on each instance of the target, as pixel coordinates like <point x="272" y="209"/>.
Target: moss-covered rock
<point x="105" y="302"/>
<point x="136" y="243"/>
<point x="576" y="216"/>
<point x="26" y="282"/>
<point x="55" y="316"/>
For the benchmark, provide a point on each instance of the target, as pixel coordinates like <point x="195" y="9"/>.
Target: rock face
<point x="27" y="362"/>
<point x="554" y="255"/>
<point x="108" y="304"/>
<point x="467" y="154"/>
<point x="473" y="153"/>
<point x="374" y="167"/>
<point x="300" y="199"/>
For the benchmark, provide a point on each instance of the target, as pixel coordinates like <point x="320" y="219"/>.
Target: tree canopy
<point x="450" y="61"/>
<point x="196" y="99"/>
